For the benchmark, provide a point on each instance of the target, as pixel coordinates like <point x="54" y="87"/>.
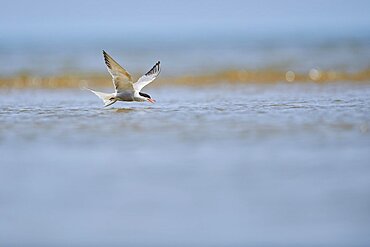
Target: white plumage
<point x="125" y="89"/>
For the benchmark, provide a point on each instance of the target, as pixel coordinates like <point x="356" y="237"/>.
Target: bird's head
<point x="147" y="97"/>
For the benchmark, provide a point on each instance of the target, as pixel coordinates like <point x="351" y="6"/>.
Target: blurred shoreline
<point x="232" y="76"/>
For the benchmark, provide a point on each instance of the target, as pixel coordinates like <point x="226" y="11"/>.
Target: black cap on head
<point x="145" y="95"/>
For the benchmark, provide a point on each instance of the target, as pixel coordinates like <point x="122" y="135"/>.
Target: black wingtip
<point x="105" y="54"/>
<point x="106" y="59"/>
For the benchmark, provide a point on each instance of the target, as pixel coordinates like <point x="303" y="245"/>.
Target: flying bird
<point x="125" y="88"/>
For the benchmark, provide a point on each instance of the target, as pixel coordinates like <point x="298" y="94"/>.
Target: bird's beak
<point x="151" y="100"/>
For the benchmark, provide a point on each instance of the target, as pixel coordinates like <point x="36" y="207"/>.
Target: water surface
<point x="273" y="165"/>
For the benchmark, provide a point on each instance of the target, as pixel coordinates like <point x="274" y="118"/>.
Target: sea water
<point x="262" y="165"/>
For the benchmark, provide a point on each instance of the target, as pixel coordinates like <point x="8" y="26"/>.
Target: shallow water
<point x="273" y="165"/>
<point x="200" y="54"/>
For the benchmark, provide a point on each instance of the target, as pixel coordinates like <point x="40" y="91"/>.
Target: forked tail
<point x="108" y="98"/>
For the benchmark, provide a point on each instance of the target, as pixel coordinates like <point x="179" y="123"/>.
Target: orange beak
<point x="151" y="100"/>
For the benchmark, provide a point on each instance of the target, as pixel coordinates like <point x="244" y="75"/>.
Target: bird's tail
<point x="108" y="98"/>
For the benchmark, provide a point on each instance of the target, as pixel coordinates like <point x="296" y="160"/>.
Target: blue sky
<point x="45" y="18"/>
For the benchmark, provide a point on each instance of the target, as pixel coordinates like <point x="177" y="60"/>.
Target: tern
<point x="125" y="88"/>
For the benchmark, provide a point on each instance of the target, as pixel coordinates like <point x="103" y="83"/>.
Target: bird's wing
<point x="122" y="80"/>
<point x="148" y="77"/>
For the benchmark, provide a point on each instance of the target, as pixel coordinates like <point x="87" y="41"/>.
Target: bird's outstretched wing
<point x="148" y="77"/>
<point x="122" y="80"/>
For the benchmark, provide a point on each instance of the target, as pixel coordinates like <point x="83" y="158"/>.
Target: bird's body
<point x="125" y="89"/>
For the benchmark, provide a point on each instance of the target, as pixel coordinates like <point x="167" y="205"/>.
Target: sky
<point x="44" y="18"/>
<point x="34" y="33"/>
